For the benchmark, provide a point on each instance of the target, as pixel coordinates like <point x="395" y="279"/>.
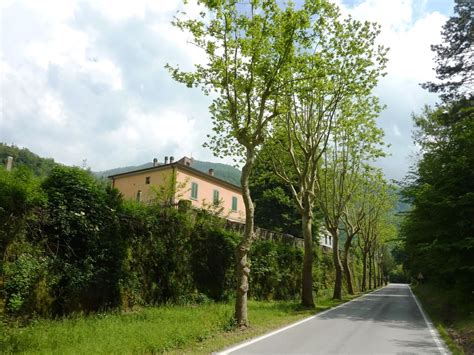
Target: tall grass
<point x="452" y="313"/>
<point x="198" y="328"/>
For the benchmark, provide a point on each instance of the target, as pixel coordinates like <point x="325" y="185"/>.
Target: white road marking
<point x="434" y="333"/>
<point x="252" y="341"/>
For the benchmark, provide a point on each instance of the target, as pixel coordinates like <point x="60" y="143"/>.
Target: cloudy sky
<point x="84" y="79"/>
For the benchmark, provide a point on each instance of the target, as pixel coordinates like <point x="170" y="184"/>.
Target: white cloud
<point x="392" y="15"/>
<point x="410" y="63"/>
<point x="410" y="53"/>
<point x="65" y="46"/>
<point x="142" y="131"/>
<point x="54" y="10"/>
<point x="51" y="110"/>
<point x="396" y="130"/>
<point x="85" y="78"/>
<point x="120" y="10"/>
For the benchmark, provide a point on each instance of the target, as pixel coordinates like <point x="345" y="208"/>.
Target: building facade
<point x="325" y="238"/>
<point x="177" y="181"/>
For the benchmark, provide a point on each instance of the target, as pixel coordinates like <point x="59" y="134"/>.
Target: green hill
<point x="24" y="157"/>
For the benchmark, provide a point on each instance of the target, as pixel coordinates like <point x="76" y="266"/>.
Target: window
<point x="194" y="191"/>
<point x="234" y="203"/>
<point x="139" y="195"/>
<point x="215" y="197"/>
<point x="147" y="180"/>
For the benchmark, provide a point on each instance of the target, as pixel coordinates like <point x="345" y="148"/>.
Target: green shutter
<point x="194" y="191"/>
<point x="216" y="197"/>
<point x="234" y="203"/>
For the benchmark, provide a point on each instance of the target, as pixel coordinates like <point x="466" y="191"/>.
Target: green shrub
<point x="20" y="197"/>
<point x="212" y="257"/>
<point x="158" y="254"/>
<point x="323" y="271"/>
<point x="275" y="270"/>
<point x="20" y="277"/>
<point x="290" y="263"/>
<point x="82" y="236"/>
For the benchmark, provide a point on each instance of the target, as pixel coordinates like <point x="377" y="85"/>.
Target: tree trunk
<point x="374" y="275"/>
<point x="364" y="271"/>
<point x="243" y="263"/>
<point x="377" y="267"/>
<point x="375" y="272"/>
<point x="379" y="277"/>
<point x="337" y="264"/>
<point x="345" y="264"/>
<point x="355" y="280"/>
<point x="307" y="282"/>
<point x="370" y="271"/>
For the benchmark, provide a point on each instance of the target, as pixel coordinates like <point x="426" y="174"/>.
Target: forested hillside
<point x="24" y="157"/>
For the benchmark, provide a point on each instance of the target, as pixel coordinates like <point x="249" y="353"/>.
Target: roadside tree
<point x="250" y="49"/>
<point x="454" y="57"/>
<point x="338" y="66"/>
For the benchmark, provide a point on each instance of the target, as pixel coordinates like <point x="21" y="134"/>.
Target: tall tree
<point x="455" y="57"/>
<point x="371" y="194"/>
<point x="355" y="141"/>
<point x="250" y="52"/>
<point x="376" y="228"/>
<point x="353" y="215"/>
<point x="338" y="65"/>
<point x="439" y="229"/>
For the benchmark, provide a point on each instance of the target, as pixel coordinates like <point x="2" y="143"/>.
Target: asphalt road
<point x="387" y="321"/>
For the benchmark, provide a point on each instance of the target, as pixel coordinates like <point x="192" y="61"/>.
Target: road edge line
<point x="267" y="335"/>
<point x="434" y="333"/>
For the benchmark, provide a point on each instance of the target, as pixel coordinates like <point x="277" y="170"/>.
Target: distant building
<point x="325" y="238"/>
<point x="181" y="182"/>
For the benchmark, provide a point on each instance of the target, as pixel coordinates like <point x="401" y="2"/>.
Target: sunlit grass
<point x="202" y="328"/>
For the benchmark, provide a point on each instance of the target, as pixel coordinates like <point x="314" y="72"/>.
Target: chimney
<point x="166" y="160"/>
<point x="155" y="162"/>
<point x="171" y="159"/>
<point x="185" y="161"/>
<point x="211" y="172"/>
<point x="9" y="163"/>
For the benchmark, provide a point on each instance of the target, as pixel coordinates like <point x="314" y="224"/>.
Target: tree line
<point x="438" y="231"/>
<point x="293" y="87"/>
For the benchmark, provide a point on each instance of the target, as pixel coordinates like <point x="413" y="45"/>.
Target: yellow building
<point x="180" y="181"/>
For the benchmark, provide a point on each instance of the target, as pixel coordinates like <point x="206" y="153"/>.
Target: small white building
<point x="325" y="238"/>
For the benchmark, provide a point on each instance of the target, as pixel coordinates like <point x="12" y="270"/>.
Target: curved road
<point x="386" y="321"/>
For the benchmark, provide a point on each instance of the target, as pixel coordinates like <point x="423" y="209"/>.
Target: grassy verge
<point x="171" y="329"/>
<point x="452" y="316"/>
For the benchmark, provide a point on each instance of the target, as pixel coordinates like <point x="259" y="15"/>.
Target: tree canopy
<point x="439" y="230"/>
<point x="455" y="56"/>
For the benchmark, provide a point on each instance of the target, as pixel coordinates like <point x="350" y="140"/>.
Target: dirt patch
<point x="464" y="339"/>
